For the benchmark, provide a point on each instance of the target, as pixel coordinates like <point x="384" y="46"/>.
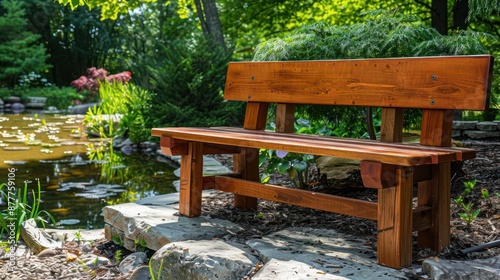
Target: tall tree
<point x="20" y="51"/>
<point x="210" y="22"/>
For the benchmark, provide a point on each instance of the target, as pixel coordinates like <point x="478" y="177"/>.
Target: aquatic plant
<point x="21" y="209"/>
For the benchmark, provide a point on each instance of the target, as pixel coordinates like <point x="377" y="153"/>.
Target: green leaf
<point x="283" y="166"/>
<point x="300" y="166"/>
<point x="265" y="178"/>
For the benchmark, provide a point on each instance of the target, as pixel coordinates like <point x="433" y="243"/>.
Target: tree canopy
<point x="20" y="51"/>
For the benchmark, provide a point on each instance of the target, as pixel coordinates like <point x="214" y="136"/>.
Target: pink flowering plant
<point x="90" y="82"/>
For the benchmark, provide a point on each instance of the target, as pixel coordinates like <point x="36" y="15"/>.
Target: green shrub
<point x="129" y="106"/>
<point x="58" y="97"/>
<point x="188" y="83"/>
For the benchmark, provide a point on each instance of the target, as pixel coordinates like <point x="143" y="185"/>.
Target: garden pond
<point x="78" y="176"/>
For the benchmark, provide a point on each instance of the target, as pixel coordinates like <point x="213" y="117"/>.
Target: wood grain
<point x="390" y="153"/>
<point x="445" y="82"/>
<point x="191" y="181"/>
<point x="395" y="222"/>
<point x="319" y="201"/>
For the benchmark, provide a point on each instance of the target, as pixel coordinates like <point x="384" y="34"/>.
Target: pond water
<point x="75" y="183"/>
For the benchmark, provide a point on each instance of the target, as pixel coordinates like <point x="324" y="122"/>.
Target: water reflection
<point x="78" y="177"/>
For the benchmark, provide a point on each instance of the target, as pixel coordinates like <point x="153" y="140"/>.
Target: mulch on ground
<point x="485" y="169"/>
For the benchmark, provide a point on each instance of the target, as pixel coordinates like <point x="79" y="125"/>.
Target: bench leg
<point x="191" y="181"/>
<point x="247" y="163"/>
<point x="436" y="193"/>
<point x="394" y="245"/>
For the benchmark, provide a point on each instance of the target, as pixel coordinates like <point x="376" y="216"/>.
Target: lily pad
<point x="51" y="145"/>
<point x="15" y="162"/>
<point x="33" y="142"/>
<point x="16" y="148"/>
<point x="69" y="222"/>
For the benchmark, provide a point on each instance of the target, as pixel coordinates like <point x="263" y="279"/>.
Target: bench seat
<point x="407" y="154"/>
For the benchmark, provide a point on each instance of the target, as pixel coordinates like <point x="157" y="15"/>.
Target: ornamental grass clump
<point x="22" y="208"/>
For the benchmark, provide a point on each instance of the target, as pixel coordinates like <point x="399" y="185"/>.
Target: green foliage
<point x="294" y="164"/>
<point x="138" y="106"/>
<point x="468" y="214"/>
<point x="118" y="256"/>
<point x="117" y="240"/>
<point x="125" y="104"/>
<point x="484" y="8"/>
<point x="485" y="194"/>
<point x="19" y="51"/>
<point x="60" y="97"/>
<point x="381" y="34"/>
<point x="151" y="273"/>
<point x="78" y="235"/>
<point x="21" y="208"/>
<point x="189" y="83"/>
<point x="110" y="9"/>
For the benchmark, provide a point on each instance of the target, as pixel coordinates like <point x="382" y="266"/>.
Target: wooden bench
<point x="438" y="85"/>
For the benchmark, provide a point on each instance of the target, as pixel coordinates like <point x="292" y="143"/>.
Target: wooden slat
<point x="392" y="125"/>
<point x="399" y="154"/>
<point x="445" y="82"/>
<point x="181" y="148"/>
<point x="319" y="201"/>
<point x="421" y="215"/>
<point x="285" y="117"/>
<point x="461" y="154"/>
<point x="436" y="128"/>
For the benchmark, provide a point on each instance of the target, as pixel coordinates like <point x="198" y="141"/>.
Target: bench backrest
<point x="447" y="82"/>
<point x="438" y="85"/>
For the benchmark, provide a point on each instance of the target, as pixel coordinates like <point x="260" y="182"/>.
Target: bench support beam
<point x="395" y="221"/>
<point x="191" y="181"/>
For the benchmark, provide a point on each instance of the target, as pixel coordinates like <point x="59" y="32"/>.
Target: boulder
<point x="132" y="262"/>
<point x="36" y="239"/>
<point x="481" y="269"/>
<point x="81" y="109"/>
<point x="339" y="172"/>
<point x="207" y="259"/>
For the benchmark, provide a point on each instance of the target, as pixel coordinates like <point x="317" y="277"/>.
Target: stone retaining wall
<point x="476" y="129"/>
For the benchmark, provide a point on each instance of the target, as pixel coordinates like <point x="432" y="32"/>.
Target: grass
<point x="21" y="209"/>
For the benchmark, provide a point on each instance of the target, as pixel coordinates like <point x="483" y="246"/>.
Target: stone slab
<point x="476" y="134"/>
<point x="481" y="269"/>
<point x="487" y="126"/>
<point x="206" y="259"/>
<point x="154" y="226"/>
<point x="464" y="125"/>
<point x="306" y="253"/>
<point x="456" y="133"/>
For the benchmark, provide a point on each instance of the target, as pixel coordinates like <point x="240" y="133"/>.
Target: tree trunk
<point x="210" y="22"/>
<point x="439" y="15"/>
<point x="460" y="13"/>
